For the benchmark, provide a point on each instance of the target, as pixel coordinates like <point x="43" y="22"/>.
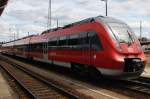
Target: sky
<point x="23" y="16"/>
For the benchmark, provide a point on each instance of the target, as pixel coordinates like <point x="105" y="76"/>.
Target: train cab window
<point x="95" y="43"/>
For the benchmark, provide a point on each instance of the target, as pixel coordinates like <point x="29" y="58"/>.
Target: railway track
<point x="137" y="85"/>
<point x="141" y="85"/>
<point x="74" y="86"/>
<point x="36" y="86"/>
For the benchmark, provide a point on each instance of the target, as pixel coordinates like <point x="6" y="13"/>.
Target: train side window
<point x="49" y="42"/>
<point x="31" y="48"/>
<point x="52" y="42"/>
<point x="95" y="43"/>
<point x="73" y="40"/>
<point x="39" y="47"/>
<point x="67" y="40"/>
<point x="27" y="48"/>
<point x="62" y="41"/>
<point x="66" y="46"/>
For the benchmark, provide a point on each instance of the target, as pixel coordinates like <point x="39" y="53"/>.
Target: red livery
<point x="99" y="45"/>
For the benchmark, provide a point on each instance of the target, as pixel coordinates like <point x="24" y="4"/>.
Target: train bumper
<point x="133" y="68"/>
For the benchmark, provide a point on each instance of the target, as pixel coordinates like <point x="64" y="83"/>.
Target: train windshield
<point x="122" y="33"/>
<point x="119" y="31"/>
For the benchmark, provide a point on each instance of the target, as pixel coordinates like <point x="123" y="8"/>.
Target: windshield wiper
<point x="130" y="36"/>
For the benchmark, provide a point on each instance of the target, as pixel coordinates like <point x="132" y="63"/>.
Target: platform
<point x="5" y="90"/>
<point x="146" y="72"/>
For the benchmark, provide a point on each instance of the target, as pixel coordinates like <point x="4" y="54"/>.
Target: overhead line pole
<point x="28" y="33"/>
<point x="57" y="23"/>
<point x="17" y="33"/>
<point x="141" y="30"/>
<point x="49" y="15"/>
<point x="50" y="4"/>
<point x="106" y="5"/>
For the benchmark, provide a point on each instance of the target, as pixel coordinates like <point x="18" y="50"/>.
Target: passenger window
<point x="62" y="41"/>
<point x="73" y="40"/>
<point x="52" y="42"/>
<point x="84" y="38"/>
<point x="84" y="41"/>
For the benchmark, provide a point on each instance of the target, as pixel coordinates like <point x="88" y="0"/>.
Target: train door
<point x="91" y="52"/>
<point x="90" y="47"/>
<point x="94" y="45"/>
<point x="29" y="49"/>
<point x="45" y="51"/>
<point x="24" y="50"/>
<point x="85" y="48"/>
<point x="82" y="50"/>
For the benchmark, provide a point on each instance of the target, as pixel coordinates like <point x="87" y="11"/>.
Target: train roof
<point x="38" y="39"/>
<point x="20" y="38"/>
<point x="42" y="38"/>
<point x="88" y="20"/>
<point x="105" y="19"/>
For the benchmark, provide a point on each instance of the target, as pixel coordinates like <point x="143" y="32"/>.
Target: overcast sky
<point x="31" y="15"/>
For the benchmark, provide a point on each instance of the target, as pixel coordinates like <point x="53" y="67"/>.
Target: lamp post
<point x="49" y="23"/>
<point x="57" y="23"/>
<point x="106" y="6"/>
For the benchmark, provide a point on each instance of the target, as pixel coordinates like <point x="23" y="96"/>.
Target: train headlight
<point x="94" y="57"/>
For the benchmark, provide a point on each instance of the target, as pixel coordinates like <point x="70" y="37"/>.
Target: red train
<point x="99" y="45"/>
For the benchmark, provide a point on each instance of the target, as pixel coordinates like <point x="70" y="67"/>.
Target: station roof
<point x="2" y="5"/>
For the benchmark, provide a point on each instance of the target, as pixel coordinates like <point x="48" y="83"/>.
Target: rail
<point x="36" y="85"/>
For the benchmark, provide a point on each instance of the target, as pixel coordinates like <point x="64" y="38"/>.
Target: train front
<point x="125" y="58"/>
